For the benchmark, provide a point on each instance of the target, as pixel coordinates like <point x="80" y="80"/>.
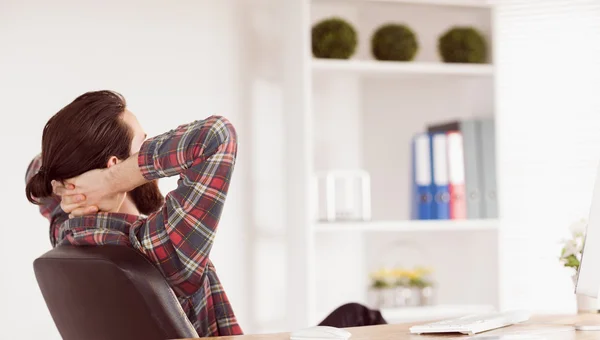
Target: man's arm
<point x="49" y="206"/>
<point x="179" y="237"/>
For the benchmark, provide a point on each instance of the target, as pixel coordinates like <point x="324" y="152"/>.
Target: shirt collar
<point x="114" y="221"/>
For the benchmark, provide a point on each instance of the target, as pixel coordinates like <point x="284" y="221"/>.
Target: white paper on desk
<point x="508" y="337"/>
<point x="546" y="333"/>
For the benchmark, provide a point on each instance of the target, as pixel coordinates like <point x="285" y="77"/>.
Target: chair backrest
<point x="109" y="292"/>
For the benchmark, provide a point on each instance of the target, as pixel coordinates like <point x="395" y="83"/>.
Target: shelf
<point x="407" y="226"/>
<point x="453" y="3"/>
<point x="428" y="313"/>
<point x="399" y="68"/>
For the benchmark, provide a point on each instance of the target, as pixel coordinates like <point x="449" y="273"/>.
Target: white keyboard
<point x="472" y="324"/>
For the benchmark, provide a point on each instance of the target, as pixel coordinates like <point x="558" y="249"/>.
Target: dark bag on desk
<point x="353" y="315"/>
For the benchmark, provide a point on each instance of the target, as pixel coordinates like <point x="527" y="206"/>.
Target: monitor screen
<point x="588" y="276"/>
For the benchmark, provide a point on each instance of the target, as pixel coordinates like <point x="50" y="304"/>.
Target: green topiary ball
<point x="394" y="42"/>
<point x="333" y="38"/>
<point x="463" y="45"/>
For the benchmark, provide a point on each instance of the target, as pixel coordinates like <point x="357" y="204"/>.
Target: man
<point x="95" y="181"/>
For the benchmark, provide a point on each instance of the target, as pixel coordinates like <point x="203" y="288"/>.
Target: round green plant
<point x="333" y="38"/>
<point x="462" y="45"/>
<point x="394" y="42"/>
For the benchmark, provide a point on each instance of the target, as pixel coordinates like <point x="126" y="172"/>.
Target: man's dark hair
<point x="81" y="137"/>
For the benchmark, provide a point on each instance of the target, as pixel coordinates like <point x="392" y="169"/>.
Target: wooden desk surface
<point x="546" y="327"/>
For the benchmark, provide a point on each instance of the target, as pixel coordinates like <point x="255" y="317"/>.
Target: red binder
<point x="456" y="176"/>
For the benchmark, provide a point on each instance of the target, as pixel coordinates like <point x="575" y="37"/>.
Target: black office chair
<point x="109" y="293"/>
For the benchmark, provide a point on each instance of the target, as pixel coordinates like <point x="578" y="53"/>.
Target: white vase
<point x="585" y="304"/>
<point x="427" y="296"/>
<point x="376" y="298"/>
<point x="403" y="295"/>
<point x="382" y="297"/>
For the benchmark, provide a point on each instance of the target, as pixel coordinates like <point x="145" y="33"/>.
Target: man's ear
<point x="112" y="161"/>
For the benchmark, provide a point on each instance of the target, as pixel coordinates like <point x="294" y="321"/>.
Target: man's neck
<point x="128" y="207"/>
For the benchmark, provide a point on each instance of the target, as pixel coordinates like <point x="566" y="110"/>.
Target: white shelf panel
<point x="429" y="313"/>
<point x="399" y="68"/>
<point x="407" y="226"/>
<point x="453" y="3"/>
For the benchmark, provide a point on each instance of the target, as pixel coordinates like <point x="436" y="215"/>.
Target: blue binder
<point x="422" y="197"/>
<point x="439" y="177"/>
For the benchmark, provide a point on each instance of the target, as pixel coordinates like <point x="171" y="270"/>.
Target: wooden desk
<point x="547" y="327"/>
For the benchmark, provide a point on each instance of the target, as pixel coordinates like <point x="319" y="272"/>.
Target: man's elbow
<point x="224" y="128"/>
<point x="33" y="167"/>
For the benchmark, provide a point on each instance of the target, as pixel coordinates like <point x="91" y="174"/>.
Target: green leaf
<point x="379" y="284"/>
<point x="571" y="261"/>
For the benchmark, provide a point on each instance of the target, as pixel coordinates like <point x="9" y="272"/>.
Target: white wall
<point x="548" y="66"/>
<point x="173" y="61"/>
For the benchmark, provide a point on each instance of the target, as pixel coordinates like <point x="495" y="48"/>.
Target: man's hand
<point x="74" y="205"/>
<point x="100" y="189"/>
<point x="89" y="192"/>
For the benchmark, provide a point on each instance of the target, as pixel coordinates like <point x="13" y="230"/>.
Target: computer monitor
<point x="588" y="275"/>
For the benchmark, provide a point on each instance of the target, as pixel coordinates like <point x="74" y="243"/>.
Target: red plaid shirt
<point x="178" y="238"/>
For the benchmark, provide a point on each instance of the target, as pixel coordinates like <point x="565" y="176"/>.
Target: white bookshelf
<point x="345" y="114"/>
<point x="362" y="114"/>
<point x="408" y="226"/>
<point x="393" y="69"/>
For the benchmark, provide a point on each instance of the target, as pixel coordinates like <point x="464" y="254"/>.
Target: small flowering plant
<point x="417" y="277"/>
<point x="570" y="255"/>
<point x="400" y="277"/>
<point x="381" y="279"/>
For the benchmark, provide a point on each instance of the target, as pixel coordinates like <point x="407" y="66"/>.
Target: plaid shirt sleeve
<point x="49" y="206"/>
<point x="179" y="237"/>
